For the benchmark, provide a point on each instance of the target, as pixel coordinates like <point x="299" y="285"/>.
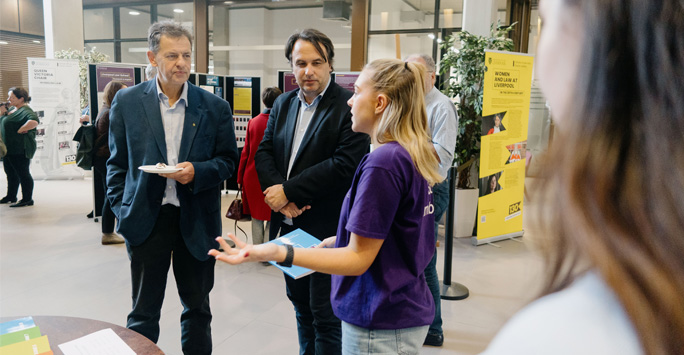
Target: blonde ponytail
<point x="405" y="120"/>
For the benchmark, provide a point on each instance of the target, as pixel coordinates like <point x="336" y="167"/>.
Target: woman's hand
<point x="327" y="242"/>
<point x="244" y="252"/>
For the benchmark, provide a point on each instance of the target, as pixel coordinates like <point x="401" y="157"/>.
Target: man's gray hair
<point x="150" y="71"/>
<point x="429" y="62"/>
<point x="167" y="28"/>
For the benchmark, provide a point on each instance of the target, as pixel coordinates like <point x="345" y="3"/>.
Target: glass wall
<point x="401" y="15"/>
<point x="179" y="12"/>
<point x="134" y="21"/>
<point x="102" y="47"/>
<point x="398" y="28"/>
<point x="98" y="24"/>
<point x="419" y="25"/>
<point x="134" y="52"/>
<point x="385" y="45"/>
<point x="121" y="31"/>
<point x="250" y="40"/>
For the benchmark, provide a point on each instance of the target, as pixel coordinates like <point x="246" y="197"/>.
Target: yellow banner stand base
<point x="497" y="238"/>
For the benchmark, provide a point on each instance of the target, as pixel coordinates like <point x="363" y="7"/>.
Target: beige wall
<point x="63" y="24"/>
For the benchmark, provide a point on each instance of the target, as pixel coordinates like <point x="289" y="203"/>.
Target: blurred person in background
<point x="18" y="130"/>
<point x="613" y="212"/>
<point x="252" y="193"/>
<point x="100" y="160"/>
<point x="150" y="71"/>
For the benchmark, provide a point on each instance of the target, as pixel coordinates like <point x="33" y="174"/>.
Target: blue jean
<point x="440" y="196"/>
<point x="362" y="341"/>
<point x="150" y="262"/>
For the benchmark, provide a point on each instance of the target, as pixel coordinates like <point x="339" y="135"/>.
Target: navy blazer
<point x="136" y="137"/>
<point x="325" y="164"/>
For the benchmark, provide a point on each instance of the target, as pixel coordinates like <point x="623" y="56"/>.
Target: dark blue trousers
<point x="100" y="172"/>
<point x="320" y="331"/>
<point x="440" y="196"/>
<point x="150" y="264"/>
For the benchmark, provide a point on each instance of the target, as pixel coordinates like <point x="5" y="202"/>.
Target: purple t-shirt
<point x="389" y="200"/>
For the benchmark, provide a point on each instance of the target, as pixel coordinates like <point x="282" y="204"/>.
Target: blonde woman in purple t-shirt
<point x="385" y="237"/>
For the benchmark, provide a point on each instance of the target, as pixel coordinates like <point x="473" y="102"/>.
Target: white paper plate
<point x="155" y="170"/>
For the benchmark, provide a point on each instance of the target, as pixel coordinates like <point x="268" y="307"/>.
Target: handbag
<point x="85" y="136"/>
<point x="236" y="213"/>
<point x="235" y="210"/>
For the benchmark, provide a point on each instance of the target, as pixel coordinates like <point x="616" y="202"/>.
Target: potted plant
<point x="465" y="67"/>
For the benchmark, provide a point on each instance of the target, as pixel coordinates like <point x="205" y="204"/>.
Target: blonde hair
<point x="404" y="120"/>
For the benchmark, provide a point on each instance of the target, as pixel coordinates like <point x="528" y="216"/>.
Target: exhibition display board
<point x="214" y="84"/>
<point x="244" y="96"/>
<point x="505" y="115"/>
<point x="286" y="81"/>
<point x="54" y="88"/>
<point x="346" y="79"/>
<point x="99" y="75"/>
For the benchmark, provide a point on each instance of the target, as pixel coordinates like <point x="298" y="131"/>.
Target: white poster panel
<point x="54" y="87"/>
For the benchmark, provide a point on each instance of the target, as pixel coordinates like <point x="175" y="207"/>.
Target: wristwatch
<point x="289" y="257"/>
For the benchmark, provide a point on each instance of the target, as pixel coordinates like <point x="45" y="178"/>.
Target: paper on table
<point x="103" y="342"/>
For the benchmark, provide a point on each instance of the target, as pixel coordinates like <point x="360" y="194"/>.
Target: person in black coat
<point x="305" y="163"/>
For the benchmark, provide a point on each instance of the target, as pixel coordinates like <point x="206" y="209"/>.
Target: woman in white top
<point x="613" y="74"/>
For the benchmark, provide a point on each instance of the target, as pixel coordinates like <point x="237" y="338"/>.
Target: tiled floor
<point x="52" y="263"/>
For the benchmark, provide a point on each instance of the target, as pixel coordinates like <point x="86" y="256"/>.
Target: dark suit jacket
<point x="323" y="169"/>
<point x="136" y="137"/>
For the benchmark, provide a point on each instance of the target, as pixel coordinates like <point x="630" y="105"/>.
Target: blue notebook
<point x="16" y="325"/>
<point x="298" y="239"/>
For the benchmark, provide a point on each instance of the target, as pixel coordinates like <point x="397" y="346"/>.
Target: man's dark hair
<point x="167" y="28"/>
<point x="316" y="38"/>
<point x="269" y="96"/>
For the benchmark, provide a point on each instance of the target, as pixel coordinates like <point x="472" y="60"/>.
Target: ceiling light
<point x="3" y="42"/>
<point x="134" y="13"/>
<point x="431" y="36"/>
<point x="228" y="2"/>
<point x="178" y="11"/>
<point x="35" y="41"/>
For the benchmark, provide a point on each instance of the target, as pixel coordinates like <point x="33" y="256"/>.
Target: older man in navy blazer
<point x="305" y="163"/>
<point x="170" y="218"/>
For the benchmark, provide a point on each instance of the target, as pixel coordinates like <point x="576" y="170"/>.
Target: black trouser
<point x="150" y="263"/>
<point x="320" y="331"/>
<point x="100" y="171"/>
<point x="99" y="189"/>
<point x="17" y="170"/>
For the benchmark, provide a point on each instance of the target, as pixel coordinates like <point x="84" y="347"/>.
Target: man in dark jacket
<point x="305" y="163"/>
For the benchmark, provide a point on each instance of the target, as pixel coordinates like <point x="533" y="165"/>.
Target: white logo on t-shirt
<point x="430" y="208"/>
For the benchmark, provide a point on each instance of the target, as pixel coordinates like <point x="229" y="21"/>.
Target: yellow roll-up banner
<point x="505" y="114"/>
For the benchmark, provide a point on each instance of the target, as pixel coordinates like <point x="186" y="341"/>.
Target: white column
<point x="63" y="25"/>
<point x="478" y="16"/>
